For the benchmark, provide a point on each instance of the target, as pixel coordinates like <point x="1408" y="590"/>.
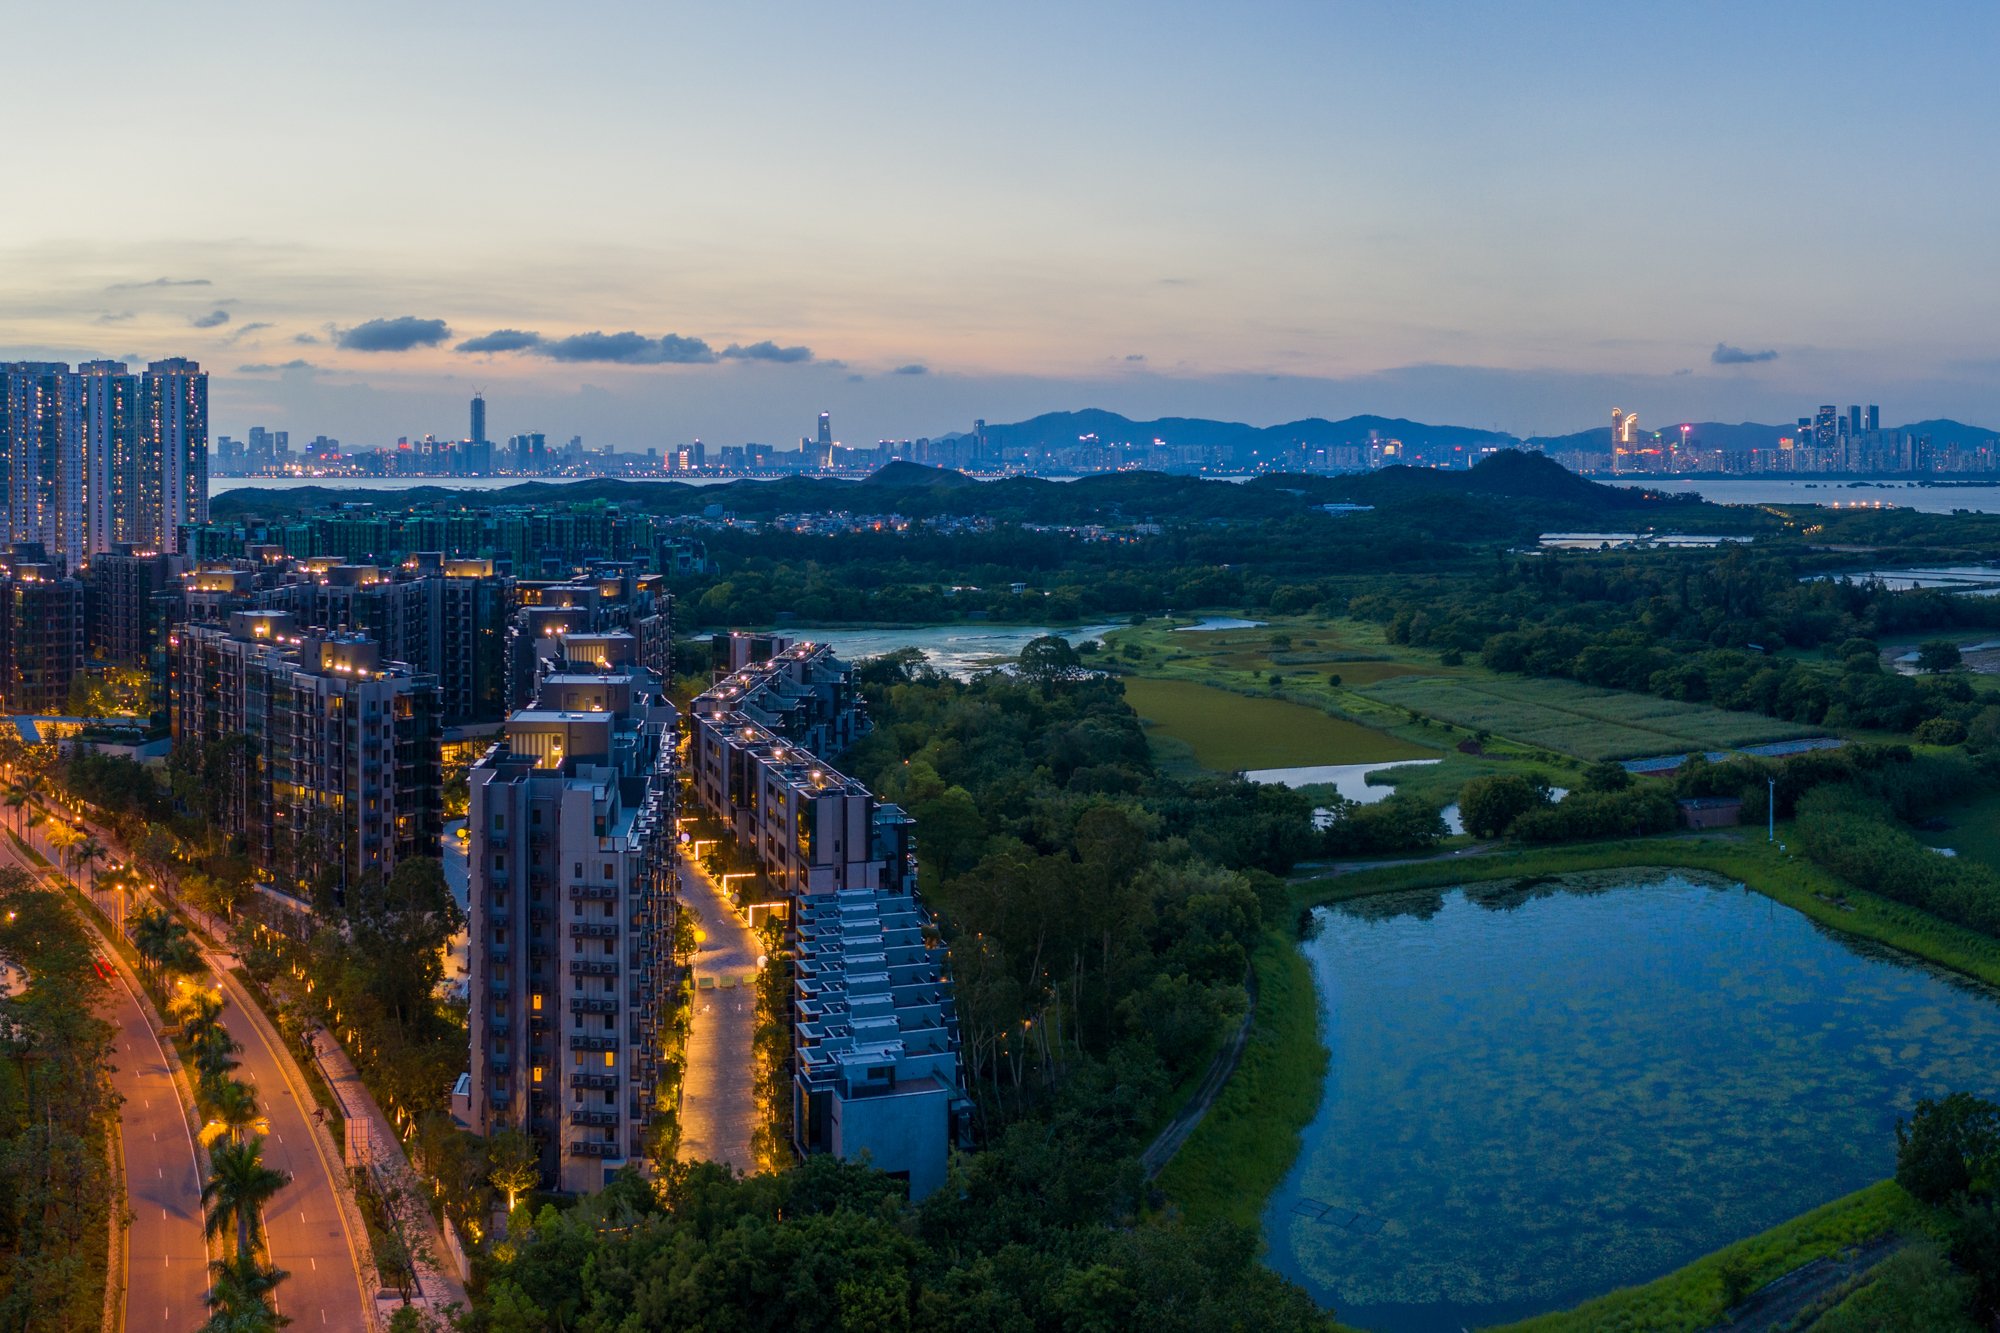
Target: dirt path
<point x="1778" y="1304"/>
<point x="1161" y="1151"/>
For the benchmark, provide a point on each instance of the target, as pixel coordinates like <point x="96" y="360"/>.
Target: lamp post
<point x="1771" y="811"/>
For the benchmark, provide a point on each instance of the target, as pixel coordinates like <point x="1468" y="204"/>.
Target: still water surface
<point x="1538" y="1095"/>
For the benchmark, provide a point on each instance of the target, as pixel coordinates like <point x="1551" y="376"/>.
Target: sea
<point x="1978" y="497"/>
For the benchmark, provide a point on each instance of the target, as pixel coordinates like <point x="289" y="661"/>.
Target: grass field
<point x="1229" y="731"/>
<point x="1579" y="720"/>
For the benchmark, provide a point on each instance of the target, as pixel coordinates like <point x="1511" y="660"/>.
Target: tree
<point x="1047" y="660"/>
<point x="238" y="1187"/>
<point x="1938" y="655"/>
<point x="1606" y="775"/>
<point x="233" y="1109"/>
<point x="240" y="1296"/>
<point x="86" y="855"/>
<point x="1489" y="806"/>
<point x="514" y="1166"/>
<point x="1948" y="1147"/>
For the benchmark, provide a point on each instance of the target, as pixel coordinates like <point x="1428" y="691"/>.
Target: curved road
<point x="304" y="1226"/>
<point x="306" y="1232"/>
<point x="166" y="1259"/>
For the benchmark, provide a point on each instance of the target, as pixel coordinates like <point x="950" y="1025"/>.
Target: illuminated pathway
<point x="718" y="1091"/>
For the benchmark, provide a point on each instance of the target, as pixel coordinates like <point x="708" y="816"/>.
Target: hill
<point x="1064" y="429"/>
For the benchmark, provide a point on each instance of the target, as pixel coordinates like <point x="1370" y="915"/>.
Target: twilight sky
<point x="716" y="221"/>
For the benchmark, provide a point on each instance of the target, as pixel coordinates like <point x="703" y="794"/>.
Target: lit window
<point x="538" y="1073"/>
<point x="611" y="1059"/>
<point x="538" y="1004"/>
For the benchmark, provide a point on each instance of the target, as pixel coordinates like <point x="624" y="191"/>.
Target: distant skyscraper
<point x="110" y="418"/>
<point x="98" y="455"/>
<point x="172" y="454"/>
<point x="1825" y="431"/>
<point x="825" y="429"/>
<point x="478" y="418"/>
<point x="1854" y="421"/>
<point x="1874" y="418"/>
<point x="40" y="412"/>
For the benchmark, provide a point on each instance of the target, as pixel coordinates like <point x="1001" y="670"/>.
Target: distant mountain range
<point x="1064" y="429"/>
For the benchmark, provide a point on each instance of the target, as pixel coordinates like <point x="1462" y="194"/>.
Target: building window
<point x="538" y="1073"/>
<point x="609" y="873"/>
<point x="538" y="1003"/>
<point x="611" y="1059"/>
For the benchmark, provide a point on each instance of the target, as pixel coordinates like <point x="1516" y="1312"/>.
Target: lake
<point x="1537" y="1096"/>
<point x="1980" y="497"/>
<point x="957" y="650"/>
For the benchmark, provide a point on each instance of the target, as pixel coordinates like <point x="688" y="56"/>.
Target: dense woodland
<point x="1100" y="919"/>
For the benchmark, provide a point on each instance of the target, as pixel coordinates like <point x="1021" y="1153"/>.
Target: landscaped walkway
<point x="718" y="1091"/>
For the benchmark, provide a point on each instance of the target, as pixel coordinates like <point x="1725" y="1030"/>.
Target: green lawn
<point x="1579" y="720"/>
<point x="1230" y="731"/>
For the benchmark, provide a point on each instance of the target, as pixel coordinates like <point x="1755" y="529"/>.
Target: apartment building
<point x="41" y="632"/>
<point x="332" y="751"/>
<point x="875" y="1045"/>
<point x="754" y="757"/>
<point x="572" y="914"/>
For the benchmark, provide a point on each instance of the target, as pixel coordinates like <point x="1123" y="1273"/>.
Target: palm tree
<point x="238" y="1187"/>
<point x="154" y="931"/>
<point x="212" y="1049"/>
<point x="240" y="1296"/>
<point x="87" y="854"/>
<point x="232" y="1108"/>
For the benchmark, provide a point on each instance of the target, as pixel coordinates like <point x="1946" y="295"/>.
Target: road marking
<point x="314" y="1262"/>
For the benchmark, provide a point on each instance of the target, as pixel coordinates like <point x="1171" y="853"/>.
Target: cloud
<point x="500" y="340"/>
<point x="1136" y="356"/>
<point x="914" y="368"/>
<point x="212" y="320"/>
<point x="267" y="367"/>
<point x="306" y="339"/>
<point x="159" y="282"/>
<point x="632" y="349"/>
<point x="856" y="379"/>
<point x="1679" y="373"/>
<point x="108" y="317"/>
<point x="400" y="334"/>
<point x="1725" y="355"/>
<point x="767" y="351"/>
<point x="246" y="330"/>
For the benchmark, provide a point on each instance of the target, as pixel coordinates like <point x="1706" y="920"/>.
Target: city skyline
<point x="1275" y="213"/>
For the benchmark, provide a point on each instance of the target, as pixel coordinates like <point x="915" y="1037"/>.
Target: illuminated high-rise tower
<point x="479" y="418"/>
<point x="41" y="434"/>
<point x="109" y="411"/>
<point x="172" y="490"/>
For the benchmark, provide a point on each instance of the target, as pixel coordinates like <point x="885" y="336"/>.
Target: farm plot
<point x="1580" y="720"/>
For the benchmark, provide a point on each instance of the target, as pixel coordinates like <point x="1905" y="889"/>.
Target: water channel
<point x="1539" y="1094"/>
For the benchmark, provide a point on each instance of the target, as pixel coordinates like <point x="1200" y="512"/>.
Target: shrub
<point x="1489" y="806"/>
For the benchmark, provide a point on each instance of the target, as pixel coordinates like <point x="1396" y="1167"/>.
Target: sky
<point x="651" y="223"/>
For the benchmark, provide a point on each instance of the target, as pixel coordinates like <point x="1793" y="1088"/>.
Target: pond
<point x="957" y="650"/>
<point x="1537" y="1095"/>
